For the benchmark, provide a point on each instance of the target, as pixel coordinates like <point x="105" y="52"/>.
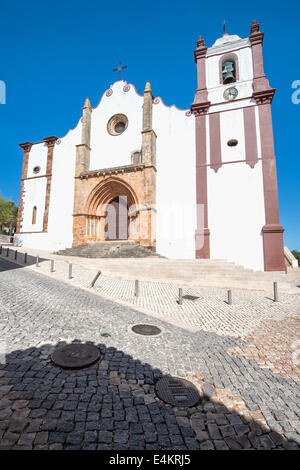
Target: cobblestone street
<point x="247" y="371"/>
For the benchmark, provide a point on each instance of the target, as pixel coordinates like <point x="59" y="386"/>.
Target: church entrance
<point x="117" y="219"/>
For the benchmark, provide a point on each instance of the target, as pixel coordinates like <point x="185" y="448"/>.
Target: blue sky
<point x="54" y="54"/>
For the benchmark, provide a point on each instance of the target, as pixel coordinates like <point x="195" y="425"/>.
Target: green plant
<point x="296" y="253"/>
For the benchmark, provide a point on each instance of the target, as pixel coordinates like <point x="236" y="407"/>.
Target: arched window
<point x="228" y="71"/>
<point x="34" y="210"/>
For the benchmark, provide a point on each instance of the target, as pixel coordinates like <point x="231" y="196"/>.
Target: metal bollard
<point x="52" y="266"/>
<point x="7" y="252"/>
<point x="0" y="249"/>
<point x="275" y="292"/>
<point x="136" y="288"/>
<point x="180" y="296"/>
<point x="70" y="271"/>
<point x="25" y="258"/>
<point x="37" y="262"/>
<point x="16" y="254"/>
<point x="95" y="279"/>
<point x="229" y="297"/>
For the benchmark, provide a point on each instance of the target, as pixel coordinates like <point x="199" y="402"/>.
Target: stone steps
<point x="118" y="249"/>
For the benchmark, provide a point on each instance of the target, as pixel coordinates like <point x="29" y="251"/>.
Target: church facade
<point x="194" y="183"/>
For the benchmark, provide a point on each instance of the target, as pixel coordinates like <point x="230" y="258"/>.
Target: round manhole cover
<point x="177" y="391"/>
<point x="147" y="330"/>
<point x="75" y="355"/>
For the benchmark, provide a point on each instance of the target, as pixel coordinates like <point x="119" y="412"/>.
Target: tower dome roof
<point x="226" y="38"/>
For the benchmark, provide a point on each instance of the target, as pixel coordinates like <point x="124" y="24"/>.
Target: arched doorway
<point x="117" y="219"/>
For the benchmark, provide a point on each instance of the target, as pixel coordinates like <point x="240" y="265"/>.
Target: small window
<point x="34" y="210"/>
<point x="228" y="71"/>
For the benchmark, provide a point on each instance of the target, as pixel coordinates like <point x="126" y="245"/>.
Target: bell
<point x="228" y="72"/>
<point x="228" y="77"/>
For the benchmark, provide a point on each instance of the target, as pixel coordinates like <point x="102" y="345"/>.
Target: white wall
<point x="236" y="214"/>
<point x="108" y="150"/>
<point x="34" y="195"/>
<point x="243" y="85"/>
<point x="176" y="182"/>
<point x="60" y="220"/>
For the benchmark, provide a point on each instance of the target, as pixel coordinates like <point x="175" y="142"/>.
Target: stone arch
<point x="97" y="206"/>
<point x="105" y="192"/>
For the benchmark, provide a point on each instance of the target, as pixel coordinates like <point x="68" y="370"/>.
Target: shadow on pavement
<point x="112" y="405"/>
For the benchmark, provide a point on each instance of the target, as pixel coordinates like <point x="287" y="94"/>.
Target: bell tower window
<point x="228" y="71"/>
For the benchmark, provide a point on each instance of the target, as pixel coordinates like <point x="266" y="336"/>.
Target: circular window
<point x="36" y="169"/>
<point x="117" y="124"/>
<point x="232" y="142"/>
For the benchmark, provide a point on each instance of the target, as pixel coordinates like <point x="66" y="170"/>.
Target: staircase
<point x="111" y="249"/>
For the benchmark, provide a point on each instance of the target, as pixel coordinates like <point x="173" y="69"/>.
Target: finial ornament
<point x="224" y="26"/>
<point x="200" y="42"/>
<point x="254" y="27"/>
<point x="148" y="87"/>
<point x="87" y="103"/>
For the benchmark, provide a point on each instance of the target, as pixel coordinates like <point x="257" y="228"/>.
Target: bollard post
<point x="70" y="271"/>
<point x="180" y="296"/>
<point x="275" y="292"/>
<point x="229" y="297"/>
<point x="0" y="249"/>
<point x="16" y="254"/>
<point x="7" y="252"/>
<point x="136" y="288"/>
<point x="52" y="266"/>
<point x="95" y="279"/>
<point x="37" y="262"/>
<point x="25" y="258"/>
<point x="286" y="270"/>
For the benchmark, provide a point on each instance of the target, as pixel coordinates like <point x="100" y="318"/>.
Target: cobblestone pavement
<point x="112" y="404"/>
<point x="210" y="311"/>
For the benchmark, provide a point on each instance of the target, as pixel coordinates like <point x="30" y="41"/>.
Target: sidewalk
<point x="210" y="311"/>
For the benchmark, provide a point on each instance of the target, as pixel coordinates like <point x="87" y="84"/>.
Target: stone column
<point x="50" y="142"/>
<point x="26" y="147"/>
<point x="200" y="108"/>
<point x="83" y="150"/>
<point x="272" y="230"/>
<point x="82" y="165"/>
<point x="149" y="160"/>
<point x="256" y="37"/>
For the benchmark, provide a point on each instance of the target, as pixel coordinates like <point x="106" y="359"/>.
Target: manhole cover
<point x="177" y="391"/>
<point x="75" y="355"/>
<point x="190" y="297"/>
<point x="147" y="330"/>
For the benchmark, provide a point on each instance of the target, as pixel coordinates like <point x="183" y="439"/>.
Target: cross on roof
<point x="119" y="69"/>
<point x="224" y="23"/>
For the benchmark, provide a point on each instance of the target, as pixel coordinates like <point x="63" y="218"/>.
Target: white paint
<point x="34" y="196"/>
<point x="176" y="182"/>
<point x="232" y="127"/>
<point x="60" y="219"/>
<point x="243" y="85"/>
<point x="107" y="150"/>
<point x="37" y="157"/>
<point x="236" y="214"/>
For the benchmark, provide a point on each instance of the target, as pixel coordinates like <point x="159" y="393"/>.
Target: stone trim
<point x="50" y="142"/>
<point x="26" y="147"/>
<point x="112" y="170"/>
<point x="215" y="141"/>
<point x="272" y="231"/>
<point x="250" y="136"/>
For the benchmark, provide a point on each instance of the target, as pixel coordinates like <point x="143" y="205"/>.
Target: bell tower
<point x="236" y="182"/>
